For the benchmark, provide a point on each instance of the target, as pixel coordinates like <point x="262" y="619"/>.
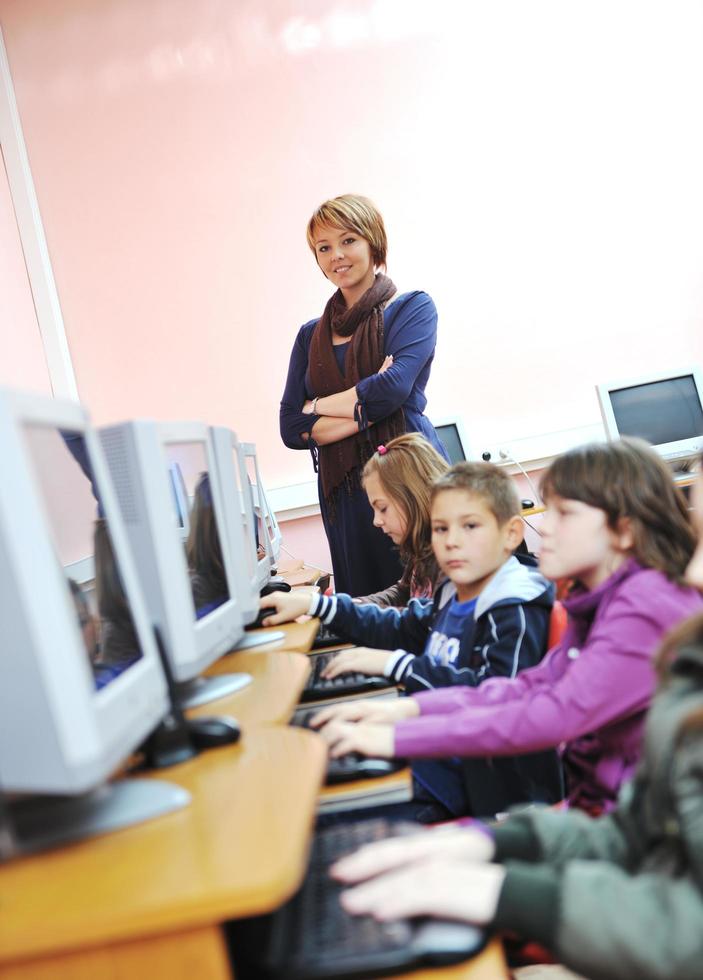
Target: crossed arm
<point x="336" y="414"/>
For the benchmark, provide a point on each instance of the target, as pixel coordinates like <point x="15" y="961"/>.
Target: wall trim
<point x="294" y="501"/>
<point x="33" y="239"/>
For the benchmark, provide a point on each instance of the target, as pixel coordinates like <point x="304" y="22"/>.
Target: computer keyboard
<point x="312" y="937"/>
<point x="326" y="637"/>
<point x="318" y="688"/>
<point x="352" y="766"/>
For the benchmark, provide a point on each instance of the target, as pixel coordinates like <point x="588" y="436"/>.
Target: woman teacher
<point x="356" y="379"/>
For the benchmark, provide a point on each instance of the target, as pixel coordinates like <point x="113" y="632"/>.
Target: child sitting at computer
<point x="398" y="480"/>
<point x="617" y="897"/>
<point x="616" y="524"/>
<point x="490" y="619"/>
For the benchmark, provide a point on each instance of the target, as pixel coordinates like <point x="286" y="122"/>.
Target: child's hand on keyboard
<point x="361" y="660"/>
<point x="453" y="843"/>
<point x="367" y="739"/>
<point x="375" y="710"/>
<point x="284" y="606"/>
<point x="440" y="887"/>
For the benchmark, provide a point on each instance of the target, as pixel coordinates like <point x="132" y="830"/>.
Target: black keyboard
<point x="326" y="637"/>
<point x="351" y="766"/>
<point x="313" y="937"/>
<point x="318" y="688"/>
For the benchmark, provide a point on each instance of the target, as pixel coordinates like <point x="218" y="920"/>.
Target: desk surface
<point x="489" y="965"/>
<point x="278" y="678"/>
<point x="240" y="848"/>
<point x="299" y="637"/>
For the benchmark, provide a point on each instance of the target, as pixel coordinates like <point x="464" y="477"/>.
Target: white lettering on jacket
<point x="443" y="650"/>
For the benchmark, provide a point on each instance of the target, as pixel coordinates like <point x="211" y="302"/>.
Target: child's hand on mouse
<point x="284" y="606"/>
<point x="362" y="660"/>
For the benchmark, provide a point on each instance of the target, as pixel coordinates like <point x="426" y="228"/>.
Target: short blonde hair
<point x="359" y="215"/>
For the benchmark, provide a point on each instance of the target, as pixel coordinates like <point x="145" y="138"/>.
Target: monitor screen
<point x="187" y="579"/>
<point x="68" y="496"/>
<point x="451" y="440"/>
<point x="81" y="682"/>
<point x="203" y="545"/>
<point x="268" y="533"/>
<point x="661" y="411"/>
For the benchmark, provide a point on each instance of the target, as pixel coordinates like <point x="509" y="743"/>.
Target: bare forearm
<point x="328" y="430"/>
<point x="338" y="406"/>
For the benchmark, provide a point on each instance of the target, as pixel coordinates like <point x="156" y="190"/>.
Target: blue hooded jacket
<point x="507" y="632"/>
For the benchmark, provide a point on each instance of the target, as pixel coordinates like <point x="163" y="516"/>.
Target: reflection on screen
<point x="660" y="412"/>
<point x="66" y="486"/>
<point x="208" y="579"/>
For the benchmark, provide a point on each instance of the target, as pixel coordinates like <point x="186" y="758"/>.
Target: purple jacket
<point x="591" y="691"/>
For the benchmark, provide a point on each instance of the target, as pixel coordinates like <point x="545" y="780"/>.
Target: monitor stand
<point x="35" y="823"/>
<point x="251" y="640"/>
<point x="202" y="690"/>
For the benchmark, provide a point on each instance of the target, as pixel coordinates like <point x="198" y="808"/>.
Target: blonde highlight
<point x="354" y="213"/>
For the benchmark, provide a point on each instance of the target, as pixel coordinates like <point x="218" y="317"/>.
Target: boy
<point x="490" y="618"/>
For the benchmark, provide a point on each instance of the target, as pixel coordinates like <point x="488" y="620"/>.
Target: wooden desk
<point x="299" y="637"/>
<point x="277" y="680"/>
<point x="147" y="902"/>
<point x="489" y="965"/>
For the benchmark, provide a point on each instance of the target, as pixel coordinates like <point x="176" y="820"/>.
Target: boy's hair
<point x="488" y="482"/>
<point x="627" y="478"/>
<point x="359" y="215"/>
<point x="407" y="466"/>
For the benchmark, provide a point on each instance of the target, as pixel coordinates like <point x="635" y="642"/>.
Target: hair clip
<point x="382" y="450"/>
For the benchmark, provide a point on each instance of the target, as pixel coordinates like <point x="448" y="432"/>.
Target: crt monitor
<point x="268" y="531"/>
<point x="189" y="587"/>
<point x="252" y="516"/>
<point x="81" y="683"/>
<point x="239" y="517"/>
<point x="451" y="435"/>
<point x="665" y="408"/>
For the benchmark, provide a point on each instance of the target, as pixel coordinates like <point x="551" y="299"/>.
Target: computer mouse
<point x="275" y="587"/>
<point x="208" y="733"/>
<point x="258" y="622"/>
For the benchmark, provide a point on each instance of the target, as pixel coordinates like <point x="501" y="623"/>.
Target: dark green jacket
<point x="621" y="897"/>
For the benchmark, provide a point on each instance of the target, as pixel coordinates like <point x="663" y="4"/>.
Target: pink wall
<point x="537" y="164"/>
<point x="305" y="538"/>
<point x="178" y="148"/>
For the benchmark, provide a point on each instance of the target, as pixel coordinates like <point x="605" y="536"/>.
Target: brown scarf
<point x="340" y="462"/>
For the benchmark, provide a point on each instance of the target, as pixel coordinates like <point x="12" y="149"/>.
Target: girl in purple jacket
<point x="617" y="526"/>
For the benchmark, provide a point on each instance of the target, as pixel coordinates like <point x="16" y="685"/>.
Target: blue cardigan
<point x="410" y="335"/>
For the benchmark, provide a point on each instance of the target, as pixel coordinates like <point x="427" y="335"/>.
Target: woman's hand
<point x="446" y="843"/>
<point x="361" y="659"/>
<point x="368" y="739"/>
<point x="387" y="362"/>
<point x="284" y="606"/>
<point x="443" y="888"/>
<point x="307" y="407"/>
<point x="372" y="710"/>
